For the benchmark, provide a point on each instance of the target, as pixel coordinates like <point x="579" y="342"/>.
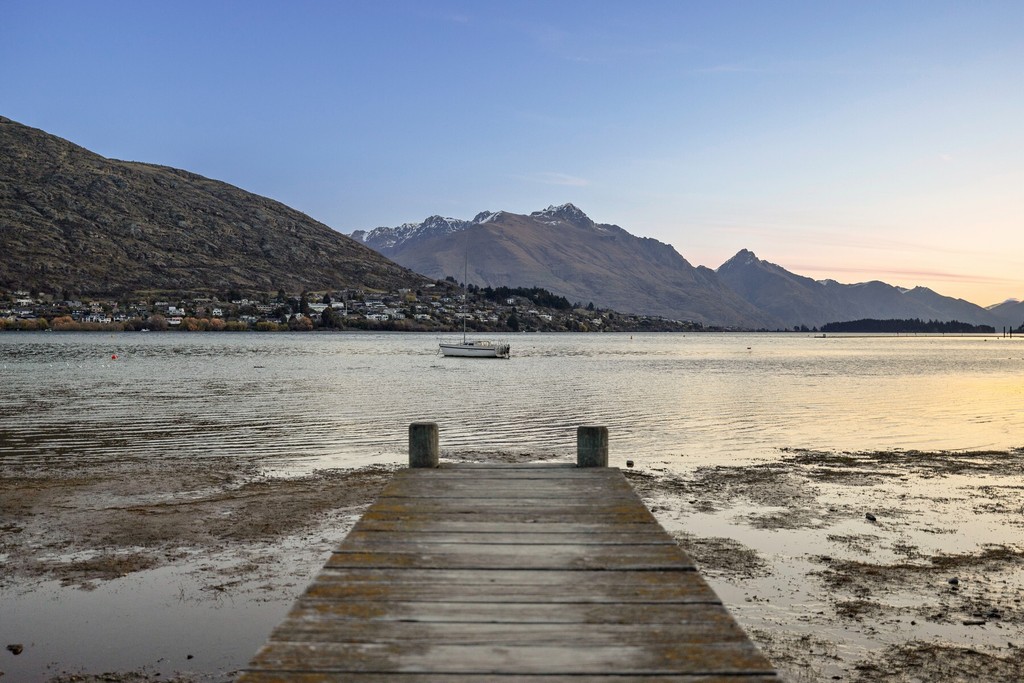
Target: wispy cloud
<point x="590" y="46"/>
<point x="727" y="69"/>
<point x="900" y="273"/>
<point x="870" y="236"/>
<point x="553" y="178"/>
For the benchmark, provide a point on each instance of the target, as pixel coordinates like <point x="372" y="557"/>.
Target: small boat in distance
<point x="476" y="348"/>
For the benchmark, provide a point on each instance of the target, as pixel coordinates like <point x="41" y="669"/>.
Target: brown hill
<point x="564" y="251"/>
<point x="72" y="220"/>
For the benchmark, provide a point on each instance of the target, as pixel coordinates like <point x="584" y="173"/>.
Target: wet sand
<point x="860" y="567"/>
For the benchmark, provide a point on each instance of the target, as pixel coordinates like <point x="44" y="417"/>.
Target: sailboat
<point x="472" y="348"/>
<point x="475" y="348"/>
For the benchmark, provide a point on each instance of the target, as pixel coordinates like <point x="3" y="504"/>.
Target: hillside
<point x="561" y="249"/>
<point x="72" y="220"/>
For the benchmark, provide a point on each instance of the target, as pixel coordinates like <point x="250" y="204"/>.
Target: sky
<point x="852" y="140"/>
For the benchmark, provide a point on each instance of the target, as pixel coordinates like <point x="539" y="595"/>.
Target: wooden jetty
<point x="508" y="572"/>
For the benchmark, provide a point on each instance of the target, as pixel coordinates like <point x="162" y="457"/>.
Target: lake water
<point x="293" y="403"/>
<point x="297" y="402"/>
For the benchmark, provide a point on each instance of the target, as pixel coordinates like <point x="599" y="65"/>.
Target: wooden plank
<point x="704" y="629"/>
<point x="471" y="468"/>
<point x="605" y="580"/>
<point x="482" y="526"/>
<point x="472" y="491"/>
<point x="363" y="540"/>
<point x="510" y="514"/>
<point x="488" y="505"/>
<point x="523" y="509"/>
<point x="497" y="659"/>
<point x="405" y="677"/>
<point x="465" y="556"/>
<point x="501" y="613"/>
<point x="509" y="487"/>
<point x="583" y="615"/>
<point x="571" y="587"/>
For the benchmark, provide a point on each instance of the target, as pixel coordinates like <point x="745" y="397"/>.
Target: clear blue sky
<point x="853" y="140"/>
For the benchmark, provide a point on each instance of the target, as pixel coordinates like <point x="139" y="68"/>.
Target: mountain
<point x="1010" y="313"/>
<point x="798" y="300"/>
<point x="562" y="250"/>
<point x="73" y="220"/>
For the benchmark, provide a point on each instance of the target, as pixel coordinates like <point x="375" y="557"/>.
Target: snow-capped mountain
<point x="563" y="250"/>
<point x="384" y="238"/>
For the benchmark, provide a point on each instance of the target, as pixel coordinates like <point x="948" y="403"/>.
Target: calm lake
<point x="296" y="402"/>
<point x="288" y="404"/>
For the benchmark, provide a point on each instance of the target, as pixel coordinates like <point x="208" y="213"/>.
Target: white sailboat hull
<point x="475" y="349"/>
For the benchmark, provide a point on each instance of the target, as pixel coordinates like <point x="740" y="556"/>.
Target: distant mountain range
<point x="72" y="220"/>
<point x="563" y="250"/>
<point x="797" y="300"/>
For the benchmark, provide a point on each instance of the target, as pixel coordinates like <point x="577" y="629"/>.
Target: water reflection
<point x="346" y="399"/>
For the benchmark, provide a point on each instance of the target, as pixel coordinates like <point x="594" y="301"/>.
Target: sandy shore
<point x="853" y="567"/>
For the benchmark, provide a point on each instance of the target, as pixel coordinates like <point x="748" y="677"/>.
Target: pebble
<point x="954" y="581"/>
<point x="629" y="463"/>
<point x="974" y="622"/>
<point x="870" y="517"/>
<point x="16" y="648"/>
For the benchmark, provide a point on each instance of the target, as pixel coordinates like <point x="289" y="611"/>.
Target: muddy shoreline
<point x="895" y="566"/>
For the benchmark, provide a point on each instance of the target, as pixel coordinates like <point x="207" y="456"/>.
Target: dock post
<point x="424" y="445"/>
<point x="591" y="446"/>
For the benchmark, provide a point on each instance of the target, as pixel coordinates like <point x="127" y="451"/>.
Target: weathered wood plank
<point x="509" y="514"/>
<point x="522" y="510"/>
<point x="404" y="677"/>
<point x="554" y="467"/>
<point x="502" y="613"/>
<point x="482" y="526"/>
<point x="520" y="635"/>
<point x="498" y="659"/>
<point x="696" y="623"/>
<point x="488" y="505"/>
<point x="449" y="487"/>
<point x="358" y="538"/>
<point x="567" y="494"/>
<point x="430" y="579"/>
<point x="690" y="588"/>
<point x="465" y="556"/>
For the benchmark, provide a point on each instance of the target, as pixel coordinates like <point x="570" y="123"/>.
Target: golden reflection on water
<point x="346" y="399"/>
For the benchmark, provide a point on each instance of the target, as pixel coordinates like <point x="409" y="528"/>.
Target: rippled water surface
<point x="298" y="401"/>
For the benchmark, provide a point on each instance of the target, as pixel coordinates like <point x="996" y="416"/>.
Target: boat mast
<point x="465" y="286"/>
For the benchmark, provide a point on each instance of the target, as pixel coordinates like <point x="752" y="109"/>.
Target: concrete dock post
<point x="592" y="446"/>
<point x="424" y="444"/>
